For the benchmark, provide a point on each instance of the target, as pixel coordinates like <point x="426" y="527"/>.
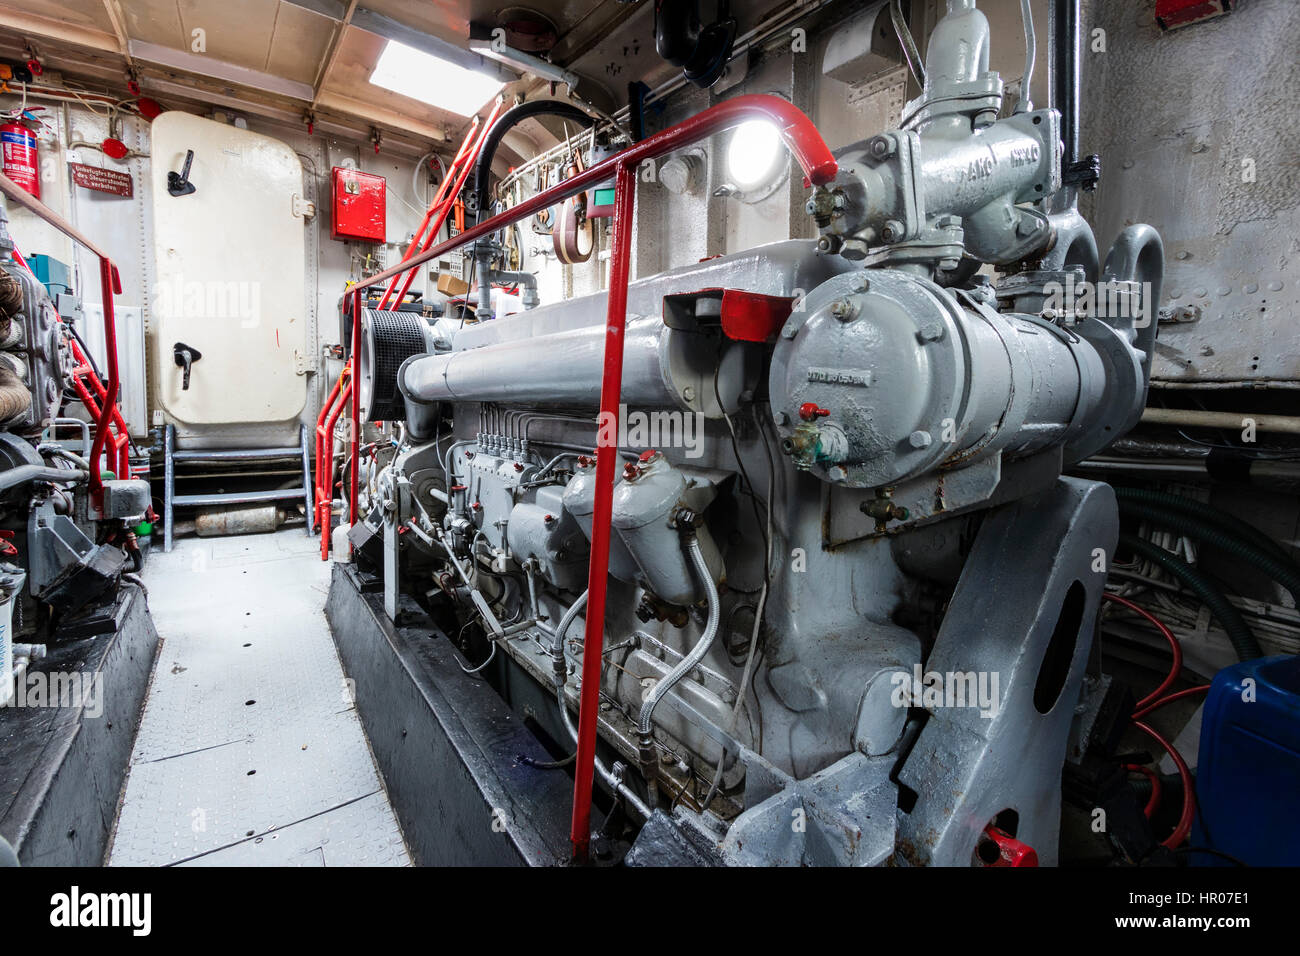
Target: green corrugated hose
<point x="1239" y="632"/>
<point x="1207" y="512"/>
<point x="1220" y="539"/>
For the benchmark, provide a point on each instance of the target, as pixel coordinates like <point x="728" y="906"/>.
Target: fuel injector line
<point x="686" y="521"/>
<point x="611" y="777"/>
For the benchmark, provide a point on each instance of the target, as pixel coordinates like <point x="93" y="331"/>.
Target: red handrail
<point x="819" y="167"/>
<point x="450" y="188"/>
<point x="110" y="285"/>
<point x="329" y="416"/>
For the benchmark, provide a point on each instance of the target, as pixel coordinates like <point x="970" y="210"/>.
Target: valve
<point x="810" y="411"/>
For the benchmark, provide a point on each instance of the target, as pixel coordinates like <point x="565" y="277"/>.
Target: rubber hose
<point x="506" y="122"/>
<point x="1220" y="540"/>
<point x="1209" y="513"/>
<point x="1239" y="632"/>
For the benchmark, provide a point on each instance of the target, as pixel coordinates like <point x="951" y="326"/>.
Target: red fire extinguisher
<point x="21" y="163"/>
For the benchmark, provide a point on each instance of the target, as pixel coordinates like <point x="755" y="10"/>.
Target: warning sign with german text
<point x="102" y="180"/>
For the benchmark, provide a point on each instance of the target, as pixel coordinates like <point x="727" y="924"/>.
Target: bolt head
<point x="920" y="439"/>
<point x="893" y="231"/>
<point x="881" y="147"/>
<point x="930" y="332"/>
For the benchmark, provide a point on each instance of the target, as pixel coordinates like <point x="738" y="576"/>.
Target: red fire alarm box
<point x="1171" y="14"/>
<point x="360" y="205"/>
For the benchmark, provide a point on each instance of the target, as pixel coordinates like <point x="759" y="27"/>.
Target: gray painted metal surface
<point x="1208" y="159"/>
<point x="250" y="748"/>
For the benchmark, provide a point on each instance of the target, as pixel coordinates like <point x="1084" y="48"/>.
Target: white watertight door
<point x="230" y="278"/>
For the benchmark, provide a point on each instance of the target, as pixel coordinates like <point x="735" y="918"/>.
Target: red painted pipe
<point x="606" y="456"/>
<point x="333" y="407"/>
<point x="461" y="178"/>
<point x="819" y="167"/>
<point x="356" y="404"/>
<point x="797" y="130"/>
<point x="441" y="197"/>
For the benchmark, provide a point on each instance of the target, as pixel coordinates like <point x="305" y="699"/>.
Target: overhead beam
<point x="220" y="70"/>
<point x="18" y="20"/>
<point x="390" y="29"/>
<point x="334" y="9"/>
<point x="332" y="52"/>
<point x="119" y="30"/>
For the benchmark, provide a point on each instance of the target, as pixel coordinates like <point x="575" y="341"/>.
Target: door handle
<point x="178" y="184"/>
<point x="185" y="356"/>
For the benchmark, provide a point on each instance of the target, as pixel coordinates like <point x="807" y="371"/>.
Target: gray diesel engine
<point x="851" y="595"/>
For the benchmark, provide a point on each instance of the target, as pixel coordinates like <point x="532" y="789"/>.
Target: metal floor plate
<point x="249" y="750"/>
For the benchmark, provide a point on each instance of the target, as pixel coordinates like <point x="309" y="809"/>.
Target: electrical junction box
<point x="56" y="276"/>
<point x="360" y="205"/>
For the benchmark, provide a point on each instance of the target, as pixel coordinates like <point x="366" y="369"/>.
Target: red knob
<point x="648" y="454"/>
<point x="1011" y="852"/>
<point x="809" y="411"/>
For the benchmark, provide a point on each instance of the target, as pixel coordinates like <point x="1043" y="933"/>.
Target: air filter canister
<point x="388" y="339"/>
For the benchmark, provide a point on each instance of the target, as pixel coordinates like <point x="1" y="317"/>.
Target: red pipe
<point x="796" y="129"/>
<point x="819" y="167"/>
<point x="606" y="455"/>
<point x="355" y="385"/>
<point x="329" y="417"/>
<point x="110" y="283"/>
<point x="459" y="184"/>
<point x="442" y="196"/>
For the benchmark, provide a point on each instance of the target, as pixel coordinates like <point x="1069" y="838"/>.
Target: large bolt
<point x="843" y="309"/>
<point x="881" y="147"/>
<point x="930" y="332"/>
<point x="893" y="231"/>
<point x="919" y="439"/>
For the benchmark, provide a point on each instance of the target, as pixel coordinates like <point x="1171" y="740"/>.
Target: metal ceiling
<point x="279" y="58"/>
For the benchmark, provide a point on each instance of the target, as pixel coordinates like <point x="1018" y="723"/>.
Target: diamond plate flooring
<point x="250" y="752"/>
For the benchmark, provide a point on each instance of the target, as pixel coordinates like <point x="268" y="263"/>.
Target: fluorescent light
<point x="433" y="80"/>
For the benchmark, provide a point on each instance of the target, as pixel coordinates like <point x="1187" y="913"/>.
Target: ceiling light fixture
<point x="433" y="80"/>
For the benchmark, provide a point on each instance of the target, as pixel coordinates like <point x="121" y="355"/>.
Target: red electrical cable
<point x="1170" y="698"/>
<point x="1184" y="827"/>
<point x="1158" y="698"/>
<point x="1154" y="802"/>
<point x="1175" y="668"/>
